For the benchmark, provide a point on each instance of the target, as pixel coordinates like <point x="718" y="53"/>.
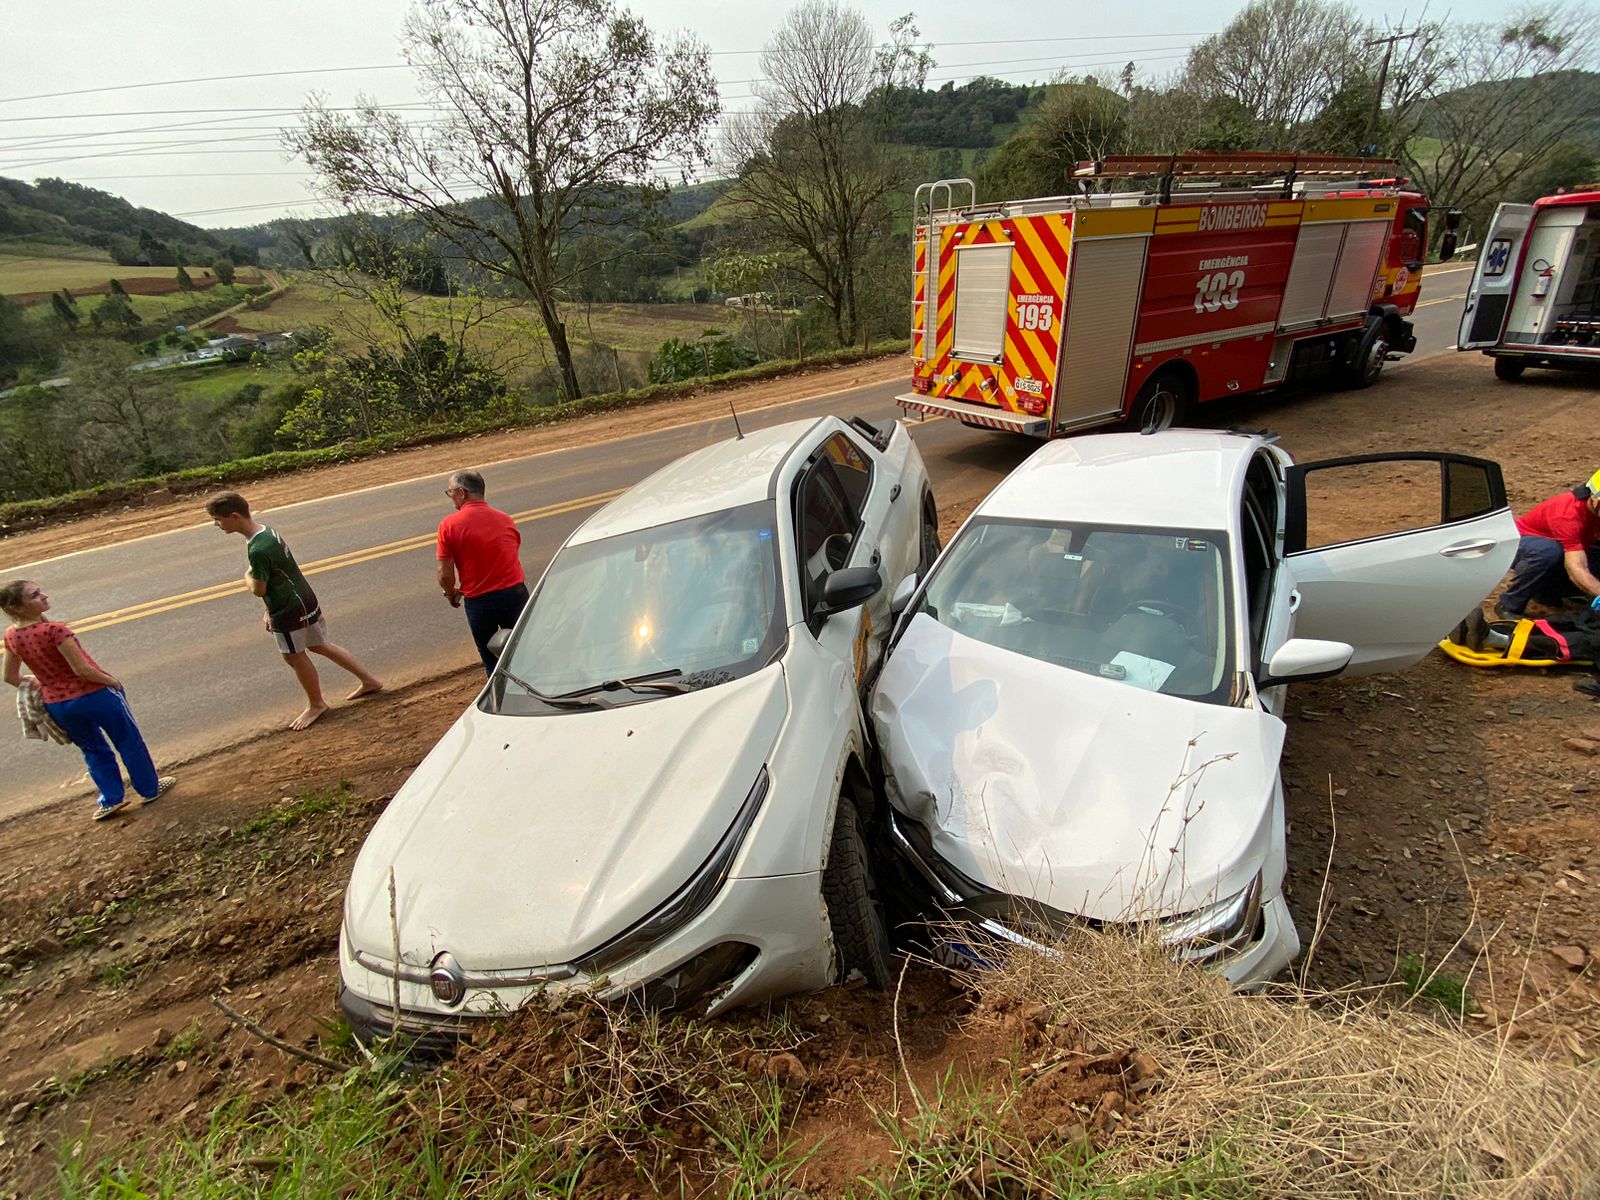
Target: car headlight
<point x="1217" y="929"/>
<point x="689" y="900"/>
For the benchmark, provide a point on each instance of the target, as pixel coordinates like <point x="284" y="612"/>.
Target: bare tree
<point x="557" y="116"/>
<point x="1498" y="103"/>
<point x="1080" y="119"/>
<point x="1282" y="60"/>
<point x="812" y="162"/>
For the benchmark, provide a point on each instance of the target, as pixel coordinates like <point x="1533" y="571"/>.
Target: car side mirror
<point x="850" y="587"/>
<point x="1300" y="660"/>
<point x="902" y="595"/>
<point x="497" y="642"/>
<point x="1447" y="246"/>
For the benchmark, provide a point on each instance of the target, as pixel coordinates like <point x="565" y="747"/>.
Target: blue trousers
<point x="492" y="611"/>
<point x="89" y="721"/>
<point x="1538" y="573"/>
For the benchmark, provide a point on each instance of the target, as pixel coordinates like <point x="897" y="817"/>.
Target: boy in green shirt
<point x="293" y="616"/>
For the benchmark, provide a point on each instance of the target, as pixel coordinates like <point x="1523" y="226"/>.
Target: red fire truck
<point x="1209" y="276"/>
<point x="1535" y="294"/>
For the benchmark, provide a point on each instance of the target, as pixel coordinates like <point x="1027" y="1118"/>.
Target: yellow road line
<point x="351" y="558"/>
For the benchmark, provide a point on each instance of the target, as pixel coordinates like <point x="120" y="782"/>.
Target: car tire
<point x="1372" y="351"/>
<point x="930" y="538"/>
<point x="1162" y="402"/>
<point x="860" y="934"/>
<point x="1509" y="369"/>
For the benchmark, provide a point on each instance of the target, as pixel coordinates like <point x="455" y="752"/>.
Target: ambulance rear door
<point x="1494" y="280"/>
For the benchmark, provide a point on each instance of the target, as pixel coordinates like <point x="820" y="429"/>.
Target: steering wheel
<point x="1163" y="607"/>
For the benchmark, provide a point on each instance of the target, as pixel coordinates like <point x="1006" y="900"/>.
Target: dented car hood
<point x="523" y="841"/>
<point x="1090" y="795"/>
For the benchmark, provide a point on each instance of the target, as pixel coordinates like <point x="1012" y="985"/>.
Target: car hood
<point x="523" y="841"/>
<point x="1090" y="795"/>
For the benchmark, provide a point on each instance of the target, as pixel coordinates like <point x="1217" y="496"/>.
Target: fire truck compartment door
<point x="1392" y="595"/>
<point x="1494" y="279"/>
<point x="1102" y="310"/>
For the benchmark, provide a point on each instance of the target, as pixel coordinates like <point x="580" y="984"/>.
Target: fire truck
<point x="1169" y="281"/>
<point x="1535" y="293"/>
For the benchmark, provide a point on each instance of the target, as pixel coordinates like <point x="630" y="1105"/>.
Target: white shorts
<point x="298" y="641"/>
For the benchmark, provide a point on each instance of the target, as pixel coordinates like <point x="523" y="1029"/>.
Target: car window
<point x="826" y="521"/>
<point x="1258" y="523"/>
<point x="699" y="596"/>
<point x="1140" y="606"/>
<point x="851" y="467"/>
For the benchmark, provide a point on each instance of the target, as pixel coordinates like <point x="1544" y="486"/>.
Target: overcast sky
<point x="209" y="151"/>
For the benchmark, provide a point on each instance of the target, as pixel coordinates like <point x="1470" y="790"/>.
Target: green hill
<point x="56" y="216"/>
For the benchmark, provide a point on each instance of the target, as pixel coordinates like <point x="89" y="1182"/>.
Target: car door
<point x="1494" y="279"/>
<point x="1393" y="591"/>
<point x="828" y="538"/>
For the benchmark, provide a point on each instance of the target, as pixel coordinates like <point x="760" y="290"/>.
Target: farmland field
<point x="25" y="274"/>
<point x="629" y="327"/>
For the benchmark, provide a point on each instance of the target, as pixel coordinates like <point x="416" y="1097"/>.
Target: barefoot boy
<point x="292" y="617"/>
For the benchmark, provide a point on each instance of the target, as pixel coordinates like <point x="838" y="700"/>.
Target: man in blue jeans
<point x="479" y="564"/>
<point x="1558" y="556"/>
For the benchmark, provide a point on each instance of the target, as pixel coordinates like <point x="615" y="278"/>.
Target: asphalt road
<point x="168" y="613"/>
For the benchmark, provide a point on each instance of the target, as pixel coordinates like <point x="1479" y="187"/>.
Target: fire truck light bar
<point x="1257" y="162"/>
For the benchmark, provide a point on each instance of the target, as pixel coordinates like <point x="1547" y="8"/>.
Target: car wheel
<point x="1161" y="403"/>
<point x="860" y="934"/>
<point x="1509" y="369"/>
<point x="1371" y="353"/>
<point x="930" y="538"/>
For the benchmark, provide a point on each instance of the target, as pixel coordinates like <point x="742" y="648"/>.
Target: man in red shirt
<point x="1559" y="554"/>
<point x="479" y="564"/>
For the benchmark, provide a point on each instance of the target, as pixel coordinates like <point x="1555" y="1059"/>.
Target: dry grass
<point x="1322" y="1097"/>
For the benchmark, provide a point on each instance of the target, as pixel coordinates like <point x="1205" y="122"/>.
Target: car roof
<point x="1180" y="479"/>
<point x="712" y="479"/>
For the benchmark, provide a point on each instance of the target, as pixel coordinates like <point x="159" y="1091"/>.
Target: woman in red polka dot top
<point x="84" y="700"/>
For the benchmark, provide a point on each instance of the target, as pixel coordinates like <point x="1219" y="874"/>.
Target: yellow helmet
<point x="1594" y="484"/>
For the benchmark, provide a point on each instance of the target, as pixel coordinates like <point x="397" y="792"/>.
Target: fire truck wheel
<point x="1161" y="403"/>
<point x="1371" y="353"/>
<point x="1509" y="369"/>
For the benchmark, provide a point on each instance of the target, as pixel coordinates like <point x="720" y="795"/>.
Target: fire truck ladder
<point x="1171" y="169"/>
<point x="925" y="211"/>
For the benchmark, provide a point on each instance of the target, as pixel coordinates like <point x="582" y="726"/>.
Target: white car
<point x="1080" y="713"/>
<point x="663" y="787"/>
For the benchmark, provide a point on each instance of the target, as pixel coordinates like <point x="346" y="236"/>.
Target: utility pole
<point x="1383" y="78"/>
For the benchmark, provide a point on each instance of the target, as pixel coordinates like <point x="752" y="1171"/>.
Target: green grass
<point x="218" y="380"/>
<point x="1437" y="987"/>
<point x="48" y="273"/>
<point x="293" y="811"/>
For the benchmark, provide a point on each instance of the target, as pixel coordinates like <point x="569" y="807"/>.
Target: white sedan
<point x="663" y="788"/>
<point x="1080" y="712"/>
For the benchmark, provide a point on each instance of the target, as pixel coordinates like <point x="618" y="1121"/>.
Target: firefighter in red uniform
<point x="1558" y="557"/>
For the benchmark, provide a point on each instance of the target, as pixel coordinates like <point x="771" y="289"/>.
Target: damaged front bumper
<point x="1247" y="938"/>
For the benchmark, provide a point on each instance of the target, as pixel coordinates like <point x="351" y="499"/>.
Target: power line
<point x="128" y="87"/>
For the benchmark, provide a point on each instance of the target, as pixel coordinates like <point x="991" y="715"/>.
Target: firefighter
<point x="1558" y="557"/>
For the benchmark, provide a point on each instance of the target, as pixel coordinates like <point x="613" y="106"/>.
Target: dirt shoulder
<point x="161" y="511"/>
<point x="1439" y="817"/>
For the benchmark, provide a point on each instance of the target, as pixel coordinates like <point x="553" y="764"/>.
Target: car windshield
<point x="1144" y="607"/>
<point x="638" y="616"/>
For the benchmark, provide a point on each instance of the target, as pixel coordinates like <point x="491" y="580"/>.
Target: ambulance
<point x="1535" y="294"/>
<point x="1168" y="281"/>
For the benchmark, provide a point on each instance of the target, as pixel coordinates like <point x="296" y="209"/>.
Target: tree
<point x="558" y="115"/>
<point x="223" y="270"/>
<point x="115" y="313"/>
<point x="1568" y="166"/>
<point x="1281" y="60"/>
<point x="63" y="309"/>
<point x="815" y="169"/>
<point x="117" y="289"/>
<point x="1500" y="103"/>
<point x="133" y="410"/>
<point x="185" y="284"/>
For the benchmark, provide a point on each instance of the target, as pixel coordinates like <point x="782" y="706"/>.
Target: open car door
<point x="1388" y="551"/>
<point x="1494" y="279"/>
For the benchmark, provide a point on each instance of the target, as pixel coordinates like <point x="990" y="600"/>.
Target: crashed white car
<point x="1080" y="711"/>
<point x="662" y="789"/>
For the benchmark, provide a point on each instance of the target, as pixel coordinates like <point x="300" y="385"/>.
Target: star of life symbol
<point x="1498" y="257"/>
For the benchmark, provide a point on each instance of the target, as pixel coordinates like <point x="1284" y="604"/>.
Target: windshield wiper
<point x="569" y="701"/>
<point x="654" y="680"/>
